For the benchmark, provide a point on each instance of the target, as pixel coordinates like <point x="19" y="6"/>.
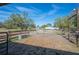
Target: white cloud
<point x="37" y="13"/>
<point x="12" y="9"/>
<point x="50" y="13"/>
<point x="54" y="9"/>
<point x="36" y="9"/>
<point x="24" y="9"/>
<point x="32" y="12"/>
<point x="55" y="6"/>
<point x="4" y="12"/>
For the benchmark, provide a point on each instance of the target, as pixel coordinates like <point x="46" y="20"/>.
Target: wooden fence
<point x="74" y="36"/>
<point x="3" y="43"/>
<point x="4" y="37"/>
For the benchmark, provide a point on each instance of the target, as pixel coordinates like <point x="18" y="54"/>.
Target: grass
<point x="58" y="32"/>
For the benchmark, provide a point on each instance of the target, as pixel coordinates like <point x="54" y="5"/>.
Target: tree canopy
<point x="61" y="22"/>
<point x="65" y="23"/>
<point x="19" y="21"/>
<point x="46" y="25"/>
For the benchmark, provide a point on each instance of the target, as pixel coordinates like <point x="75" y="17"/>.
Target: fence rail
<point x="4" y="37"/>
<point x="3" y="43"/>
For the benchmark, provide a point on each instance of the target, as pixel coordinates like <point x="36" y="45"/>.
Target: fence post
<point x="77" y="41"/>
<point x="77" y="18"/>
<point x="7" y="34"/>
<point x="68" y="29"/>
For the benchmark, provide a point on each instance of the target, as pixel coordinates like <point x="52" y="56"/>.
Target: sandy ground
<point x="50" y="40"/>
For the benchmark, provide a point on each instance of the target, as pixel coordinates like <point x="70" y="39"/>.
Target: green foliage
<point x="46" y="25"/>
<point x="61" y="22"/>
<point x="73" y="22"/>
<point x="65" y="23"/>
<point x="31" y="24"/>
<point x="21" y="21"/>
<point x="43" y="26"/>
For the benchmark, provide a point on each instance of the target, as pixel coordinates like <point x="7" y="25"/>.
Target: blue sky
<point x="41" y="13"/>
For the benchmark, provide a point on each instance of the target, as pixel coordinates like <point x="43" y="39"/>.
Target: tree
<point x="46" y="25"/>
<point x="43" y="26"/>
<point x="19" y="21"/>
<point x="49" y="25"/>
<point x="31" y="24"/>
<point x="58" y="23"/>
<point x="62" y="23"/>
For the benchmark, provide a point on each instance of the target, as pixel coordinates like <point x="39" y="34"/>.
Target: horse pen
<point x="5" y="37"/>
<point x="42" y="41"/>
<point x="73" y="32"/>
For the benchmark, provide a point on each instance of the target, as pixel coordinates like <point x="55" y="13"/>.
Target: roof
<point x="2" y="4"/>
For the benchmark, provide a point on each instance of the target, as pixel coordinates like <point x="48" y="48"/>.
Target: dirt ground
<point x="49" y="39"/>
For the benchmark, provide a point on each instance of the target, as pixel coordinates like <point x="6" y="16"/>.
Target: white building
<point x="51" y="28"/>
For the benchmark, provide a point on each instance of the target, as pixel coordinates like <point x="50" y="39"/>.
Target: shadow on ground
<point x="24" y="49"/>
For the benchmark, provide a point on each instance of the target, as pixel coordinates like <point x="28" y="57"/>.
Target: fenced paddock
<point x="5" y="37"/>
<point x="73" y="33"/>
